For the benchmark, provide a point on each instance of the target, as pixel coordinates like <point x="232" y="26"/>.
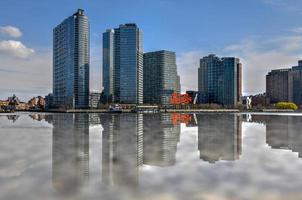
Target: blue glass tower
<point x="71" y="62"/>
<point x="108" y="61"/>
<point x="127" y="66"/>
<point x="219" y="80"/>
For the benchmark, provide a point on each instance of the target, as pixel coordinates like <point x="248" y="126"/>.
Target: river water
<point x="150" y="156"/>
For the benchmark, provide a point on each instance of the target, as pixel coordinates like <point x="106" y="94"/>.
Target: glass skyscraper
<point x="123" y="64"/>
<point x="108" y="49"/>
<point x="160" y="77"/>
<point x="71" y="62"/>
<point x="219" y="80"/>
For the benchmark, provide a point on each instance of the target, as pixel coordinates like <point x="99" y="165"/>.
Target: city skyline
<point x="24" y="49"/>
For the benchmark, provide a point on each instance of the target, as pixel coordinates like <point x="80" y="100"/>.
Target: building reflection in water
<point x="13" y="118"/>
<point x="70" y="151"/>
<point x="219" y="137"/>
<point x="122" y="149"/>
<point x="161" y="135"/>
<point x="284" y="132"/>
<point x="131" y="140"/>
<point x="37" y="117"/>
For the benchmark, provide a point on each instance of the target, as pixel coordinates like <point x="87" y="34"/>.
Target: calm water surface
<point x="152" y="156"/>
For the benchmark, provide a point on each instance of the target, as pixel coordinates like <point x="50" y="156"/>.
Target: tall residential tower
<point x="108" y="49"/>
<point x="219" y="80"/>
<point x="123" y="64"/>
<point x="160" y="77"/>
<point x="71" y="62"/>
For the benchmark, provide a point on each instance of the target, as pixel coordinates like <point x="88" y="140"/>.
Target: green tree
<point x="286" y="105"/>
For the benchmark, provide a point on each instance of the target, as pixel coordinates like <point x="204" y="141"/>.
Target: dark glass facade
<point x="71" y="62"/>
<point x="108" y="52"/>
<point x="123" y="64"/>
<point x="219" y="80"/>
<point x="160" y="77"/>
<point x="277" y="85"/>
<point x="284" y="85"/>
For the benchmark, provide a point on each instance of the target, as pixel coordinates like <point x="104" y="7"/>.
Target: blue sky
<point x="265" y="34"/>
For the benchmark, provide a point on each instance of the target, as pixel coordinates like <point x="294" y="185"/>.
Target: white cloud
<point x="26" y="77"/>
<point x="274" y="2"/>
<point x="291" y="44"/>
<point x="15" y="48"/>
<point x="288" y="5"/>
<point x="33" y="76"/>
<point x="297" y="30"/>
<point x="188" y="64"/>
<point x="259" y="56"/>
<point x="10" y="31"/>
<point x="95" y="68"/>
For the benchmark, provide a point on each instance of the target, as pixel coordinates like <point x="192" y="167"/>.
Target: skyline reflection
<point x="219" y="135"/>
<point x="128" y="155"/>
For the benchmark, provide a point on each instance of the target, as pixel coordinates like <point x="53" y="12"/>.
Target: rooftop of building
<point x="160" y="52"/>
<point x="110" y="30"/>
<point x="299" y="67"/>
<point x="80" y="12"/>
<point x="279" y="70"/>
<point x="128" y="25"/>
<point x="214" y="56"/>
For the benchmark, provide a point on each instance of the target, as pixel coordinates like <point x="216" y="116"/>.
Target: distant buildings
<point x="123" y="64"/>
<point x="3" y="104"/>
<point x="13" y="100"/>
<point x="220" y="80"/>
<point x="160" y="77"/>
<point x="49" y="101"/>
<point x="71" y="62"/>
<point x="277" y="85"/>
<point x="36" y="103"/>
<point x="284" y="85"/>
<point x="14" y="103"/>
<point x="258" y="100"/>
